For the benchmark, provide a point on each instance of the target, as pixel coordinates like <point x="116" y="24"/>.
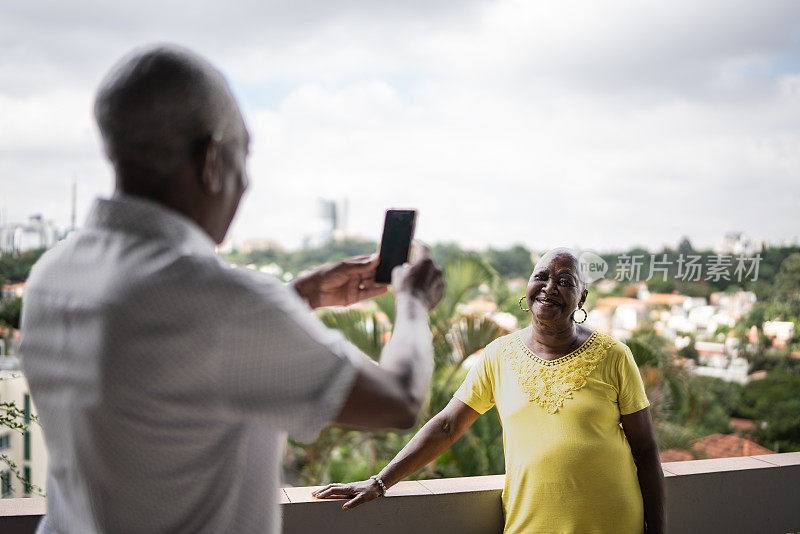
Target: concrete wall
<point x="754" y="494"/>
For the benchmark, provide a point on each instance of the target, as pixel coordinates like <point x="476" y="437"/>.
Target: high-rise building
<point x="37" y="232"/>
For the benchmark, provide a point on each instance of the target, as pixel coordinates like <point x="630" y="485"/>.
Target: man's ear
<point x="211" y="170"/>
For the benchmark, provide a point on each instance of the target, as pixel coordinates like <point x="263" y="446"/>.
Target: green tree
<point x="667" y="388"/>
<point x="685" y="246"/>
<point x="14" y="268"/>
<point x="787" y="284"/>
<point x="444" y="253"/>
<point x="513" y="262"/>
<point x="711" y="402"/>
<point x="11" y="311"/>
<point x="774" y="400"/>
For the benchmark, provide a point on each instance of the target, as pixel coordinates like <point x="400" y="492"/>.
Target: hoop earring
<point x="585" y="315"/>
<point x="520" y="305"/>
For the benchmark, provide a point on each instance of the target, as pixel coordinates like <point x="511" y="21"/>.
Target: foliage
<point x="514" y="262"/>
<point x="11" y="311"/>
<point x="463" y="277"/>
<point x="297" y="261"/>
<point x="690" y="350"/>
<point x="445" y="253"/>
<point x="671" y="435"/>
<point x="15" y="268"/>
<point x="775" y="401"/>
<point x="787" y="285"/>
<point x="12" y="466"/>
<point x="364" y="330"/>
<point x="666" y="386"/>
<point x="711" y="401"/>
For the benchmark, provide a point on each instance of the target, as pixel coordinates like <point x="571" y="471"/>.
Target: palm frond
<point x="471" y="333"/>
<point x="462" y="276"/>
<point x="385" y="303"/>
<point x="362" y="329"/>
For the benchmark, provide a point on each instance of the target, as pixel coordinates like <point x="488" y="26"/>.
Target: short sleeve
<point x="477" y="390"/>
<point x="281" y="364"/>
<point x="632" y="396"/>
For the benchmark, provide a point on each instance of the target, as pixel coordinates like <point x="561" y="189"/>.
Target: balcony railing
<point x="752" y="494"/>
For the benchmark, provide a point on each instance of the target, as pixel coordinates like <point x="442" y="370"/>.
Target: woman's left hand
<point x="362" y="492"/>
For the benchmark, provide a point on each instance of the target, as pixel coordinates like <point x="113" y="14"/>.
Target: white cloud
<point x="602" y="124"/>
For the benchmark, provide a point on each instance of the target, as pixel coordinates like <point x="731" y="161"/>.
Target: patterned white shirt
<point x="166" y="381"/>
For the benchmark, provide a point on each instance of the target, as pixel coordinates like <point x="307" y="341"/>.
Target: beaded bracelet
<point x="380" y="484"/>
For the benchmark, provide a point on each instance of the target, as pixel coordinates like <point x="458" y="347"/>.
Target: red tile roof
<point x="671" y="299"/>
<point x="758" y="375"/>
<point x="11" y="287"/>
<point x="743" y="425"/>
<point x="8" y="332"/>
<point x="727" y="446"/>
<point x="676" y="455"/>
<point x="618" y="301"/>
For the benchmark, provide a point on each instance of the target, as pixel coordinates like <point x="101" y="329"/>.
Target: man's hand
<point x="340" y="284"/>
<point x="421" y="279"/>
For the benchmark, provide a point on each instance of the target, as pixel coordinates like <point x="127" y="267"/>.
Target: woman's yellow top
<point x="569" y="467"/>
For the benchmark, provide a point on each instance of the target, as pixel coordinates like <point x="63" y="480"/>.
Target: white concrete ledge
<point x="731" y="495"/>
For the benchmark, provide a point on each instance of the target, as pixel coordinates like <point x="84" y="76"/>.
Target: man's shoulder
<point x="251" y="287"/>
<point x="210" y="279"/>
<point x="150" y="274"/>
<point x="48" y="261"/>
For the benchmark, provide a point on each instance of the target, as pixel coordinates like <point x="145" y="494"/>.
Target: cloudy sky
<point x="598" y="124"/>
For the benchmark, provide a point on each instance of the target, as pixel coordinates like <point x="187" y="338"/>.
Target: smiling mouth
<point x="545" y="301"/>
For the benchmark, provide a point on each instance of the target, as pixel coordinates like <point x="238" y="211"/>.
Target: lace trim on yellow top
<point x="549" y="382"/>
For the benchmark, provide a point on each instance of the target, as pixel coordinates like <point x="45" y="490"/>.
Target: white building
<point x="735" y="371"/>
<point x="780" y="332"/>
<point x="25" y="449"/>
<point x="721" y="318"/>
<point x="736" y="304"/>
<point x="36" y="233"/>
<point x="738" y="243"/>
<point x="599" y="320"/>
<point x="694" y="302"/>
<point x="626" y="318"/>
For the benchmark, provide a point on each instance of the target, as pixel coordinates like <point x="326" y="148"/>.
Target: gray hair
<point x="154" y="107"/>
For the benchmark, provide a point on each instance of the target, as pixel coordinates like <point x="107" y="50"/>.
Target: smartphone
<point x="398" y="231"/>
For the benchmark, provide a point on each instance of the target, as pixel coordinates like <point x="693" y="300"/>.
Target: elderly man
<point x="166" y="381"/>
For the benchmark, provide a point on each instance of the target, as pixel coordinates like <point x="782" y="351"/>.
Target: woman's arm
<point x="432" y="440"/>
<point x="638" y="427"/>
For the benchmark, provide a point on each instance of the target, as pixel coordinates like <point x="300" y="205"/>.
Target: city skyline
<point x="727" y="242"/>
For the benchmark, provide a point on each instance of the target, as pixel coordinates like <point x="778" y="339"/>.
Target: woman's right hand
<point x="362" y="492"/>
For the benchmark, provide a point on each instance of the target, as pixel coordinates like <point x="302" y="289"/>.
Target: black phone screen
<point x="398" y="231"/>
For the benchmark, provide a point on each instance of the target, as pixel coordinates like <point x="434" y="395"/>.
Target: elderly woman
<point x="580" y="451"/>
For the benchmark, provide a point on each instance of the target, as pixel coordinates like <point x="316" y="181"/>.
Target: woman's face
<point x="554" y="289"/>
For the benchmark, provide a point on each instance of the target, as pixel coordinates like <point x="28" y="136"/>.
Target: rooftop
<point x="728" y="446"/>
